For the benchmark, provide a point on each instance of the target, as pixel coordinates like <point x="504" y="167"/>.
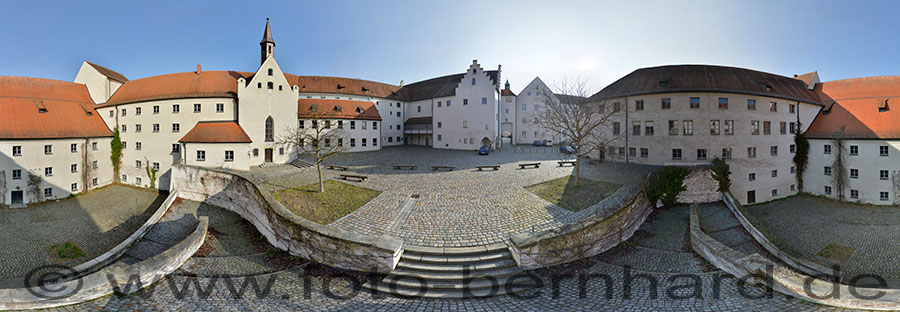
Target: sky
<point x="389" y="41"/>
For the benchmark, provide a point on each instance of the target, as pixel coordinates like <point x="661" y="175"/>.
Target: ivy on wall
<point x="115" y="154"/>
<point x="722" y="173"/>
<point x="801" y="158"/>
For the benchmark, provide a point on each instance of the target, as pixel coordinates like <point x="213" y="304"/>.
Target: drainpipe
<point x="627" y="156"/>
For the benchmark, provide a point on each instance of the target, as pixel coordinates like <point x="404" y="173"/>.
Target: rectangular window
<point x="465" y="101"/>
<point x="793" y="128"/>
<point x="48" y="149"/>
<point x="792" y="108"/>
<point x="616" y="107"/>
<point x="773" y="150"/>
<point x="695" y="102"/>
<point x="94" y="146"/>
<point x="883" y="174"/>
<point x="754" y="127"/>
<point x="676" y="154"/>
<point x="196" y="108"/>
<point x="688" y="127"/>
<point x="352" y="142"/>
<point x="726" y="153"/>
<point x="883" y="150"/>
<point x="767" y="127"/>
<point x="751" y="177"/>
<point x="176" y="148"/>
<point x="827" y="190"/>
<point x="774" y="193"/>
<point x="827" y="149"/>
<point x="220" y="108"/>
<point x="229" y="155"/>
<point x="439" y="138"/>
<point x="639" y="105"/>
<point x="632" y="152"/>
<point x="723" y="103"/>
<point x="729" y="127"/>
<point x="793" y="148"/>
<point x="884" y="195"/>
<point x="774" y="173"/>
<point x="648" y="127"/>
<point x="374" y="142"/>
<point x="137" y="128"/>
<point x="364" y="142"/>
<point x="95" y="164"/>
<point x="854" y="173"/>
<point x="645" y="152"/>
<point x="123" y="112"/>
<point x="48" y="171"/>
<point x="176" y="108"/>
<point x="94" y="182"/>
<point x="155" y="166"/>
<point x="793" y="169"/>
<point x="465" y="123"/>
<point x="74" y="168"/>
<point x="48" y="192"/>
<point x="74" y="148"/>
<point x="201" y="155"/>
<point x="301" y="125"/>
<point x="854" y="194"/>
<point x="17" y="150"/>
<point x="484" y="101"/>
<point x="621" y="151"/>
<point x="137" y="111"/>
<point x="17" y="174"/>
<point x="524" y="106"/>
<point x="155" y="128"/>
<point x="854" y="150"/>
<point x="374" y="125"/>
<point x="137" y="180"/>
<point x="124" y="128"/>
<point x="616" y="128"/>
<point x="666" y="103"/>
<point x="635" y="128"/>
<point x="751" y="152"/>
<point x="155" y="109"/>
<point x="176" y="128"/>
<point x="673" y="127"/>
<point x="137" y="164"/>
<point x="751" y="104"/>
<point x="782" y="127"/>
<point x="111" y="114"/>
<point x="74" y="187"/>
<point x="828" y="170"/>
<point x="398" y="105"/>
<point x="773" y="107"/>
<point x="352" y="124"/>
<point x="701" y="154"/>
<point x="714" y="127"/>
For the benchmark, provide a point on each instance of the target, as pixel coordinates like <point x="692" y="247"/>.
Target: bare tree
<point x="575" y="118"/>
<point x="320" y="138"/>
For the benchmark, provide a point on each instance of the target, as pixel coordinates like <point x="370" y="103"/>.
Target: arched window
<point x="270" y="72"/>
<point x="270" y="129"/>
<point x="259" y="85"/>
<point x="473" y="81"/>
<point x="270" y="85"/>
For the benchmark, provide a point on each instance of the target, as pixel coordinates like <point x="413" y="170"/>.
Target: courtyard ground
<point x="861" y="239"/>
<point x="95" y="222"/>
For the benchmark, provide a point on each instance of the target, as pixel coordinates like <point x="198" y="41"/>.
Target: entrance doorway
<point x="17" y="197"/>
<point x="486" y="142"/>
<point x="269" y="155"/>
<point x="751" y="197"/>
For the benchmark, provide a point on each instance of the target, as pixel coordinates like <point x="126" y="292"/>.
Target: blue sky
<point x="389" y="41"/>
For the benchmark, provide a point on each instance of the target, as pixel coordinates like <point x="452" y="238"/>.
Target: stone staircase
<point x="302" y="163"/>
<point x="465" y="272"/>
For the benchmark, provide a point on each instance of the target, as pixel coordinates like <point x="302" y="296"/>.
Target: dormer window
<point x="337" y="108"/>
<point x="883" y="106"/>
<point x="663" y="83"/>
<point x="313" y="107"/>
<point x="340" y="87"/>
<point x="42" y="110"/>
<point x="270" y="72"/>
<point x="766" y="87"/>
<point x="364" y="89"/>
<point x="359" y="110"/>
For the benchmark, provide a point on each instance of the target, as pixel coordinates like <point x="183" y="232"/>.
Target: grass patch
<point x="67" y="250"/>
<point x="338" y="200"/>
<point x="564" y="193"/>
<point x="839" y="253"/>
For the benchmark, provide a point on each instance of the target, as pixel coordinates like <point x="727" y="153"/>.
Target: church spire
<point x="507" y="84"/>
<point x="267" y="44"/>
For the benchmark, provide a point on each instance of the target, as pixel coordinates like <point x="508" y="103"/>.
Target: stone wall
<point x="787" y="281"/>
<point x="114" y="278"/>
<point x="603" y="226"/>
<point x="284" y="229"/>
<point x="700" y="187"/>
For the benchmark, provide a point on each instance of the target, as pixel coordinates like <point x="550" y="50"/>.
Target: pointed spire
<point x="267" y="35"/>
<point x="507" y="84"/>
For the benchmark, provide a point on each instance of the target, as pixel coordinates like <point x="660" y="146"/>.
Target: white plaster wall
<point x="33" y="161"/>
<point x="156" y="147"/>
<point x="508" y="116"/>
<point x="215" y="155"/>
<point x="97" y="84"/>
<point x="255" y="104"/>
<point x="356" y="130"/>
<point x="532" y="96"/>
<point x="391" y="111"/>
<point x="482" y="119"/>
<point x="868" y="162"/>
<point x="660" y="144"/>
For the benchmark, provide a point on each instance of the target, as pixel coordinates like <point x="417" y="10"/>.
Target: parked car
<point x="548" y="142"/>
<point x="567" y="149"/>
<point x="538" y="143"/>
<point x="484" y="150"/>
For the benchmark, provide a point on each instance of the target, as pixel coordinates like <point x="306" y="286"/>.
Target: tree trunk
<point x="577" y="169"/>
<point x="321" y="181"/>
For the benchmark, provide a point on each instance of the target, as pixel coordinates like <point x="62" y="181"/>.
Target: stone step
<point x="454" y="251"/>
<point x="427" y="258"/>
<point x="456" y="276"/>
<point x="515" y="280"/>
<point x="456" y="267"/>
<point x="445" y="293"/>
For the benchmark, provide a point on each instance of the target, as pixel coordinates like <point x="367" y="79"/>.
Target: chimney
<point x="401" y="83"/>
<point x="198" y="70"/>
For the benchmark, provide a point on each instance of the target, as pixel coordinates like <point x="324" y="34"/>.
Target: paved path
<point x="803" y="225"/>
<point x="464" y="207"/>
<point x="96" y="222"/>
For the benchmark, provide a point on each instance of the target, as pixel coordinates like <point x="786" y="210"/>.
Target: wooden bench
<point x="407" y="167"/>
<point x="449" y="168"/>
<point x="566" y="162"/>
<point x="335" y="167"/>
<point x="495" y="167"/>
<point x="535" y="165"/>
<point x="352" y="176"/>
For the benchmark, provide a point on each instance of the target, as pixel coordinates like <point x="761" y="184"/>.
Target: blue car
<point x="539" y="143"/>
<point x="567" y="149"/>
<point x="484" y="150"/>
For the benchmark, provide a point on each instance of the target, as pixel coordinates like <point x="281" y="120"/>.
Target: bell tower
<point x="267" y="44"/>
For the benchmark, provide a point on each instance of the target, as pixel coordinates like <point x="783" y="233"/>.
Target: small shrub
<point x="721" y="172"/>
<point x="67" y="250"/>
<point x="665" y="185"/>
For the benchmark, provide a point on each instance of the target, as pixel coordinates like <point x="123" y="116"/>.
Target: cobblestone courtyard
<point x="804" y="225"/>
<point x="95" y="222"/>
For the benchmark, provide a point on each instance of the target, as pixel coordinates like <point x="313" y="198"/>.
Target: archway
<point x="485" y="142"/>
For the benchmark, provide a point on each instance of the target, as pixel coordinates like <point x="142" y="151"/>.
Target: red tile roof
<point x="338" y="85"/>
<point x="338" y="109"/>
<point x="418" y="121"/>
<point x="67" y="107"/>
<point x="216" y="132"/>
<point x="807" y="78"/>
<point x="506" y="92"/>
<point x="178" y="86"/>
<point x="854" y="109"/>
